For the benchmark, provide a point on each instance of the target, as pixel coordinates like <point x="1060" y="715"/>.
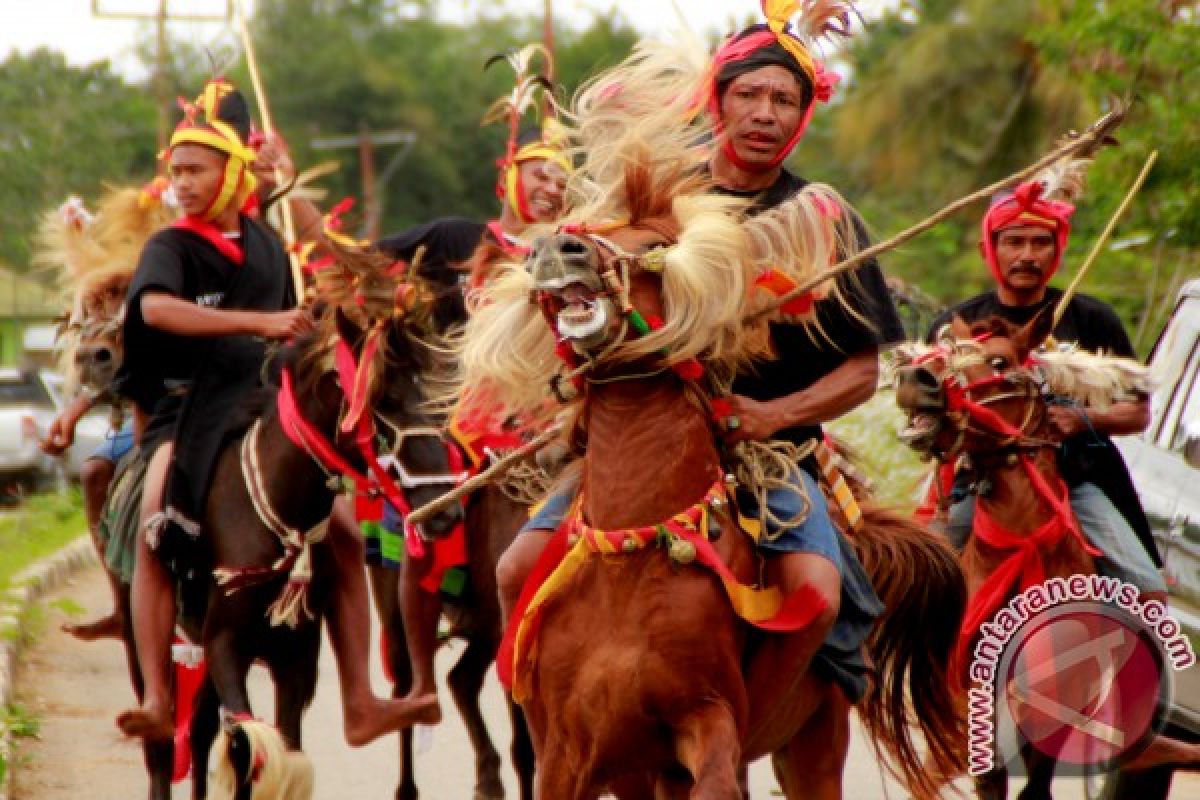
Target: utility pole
<point x="161" y="17"/>
<point x="548" y="38"/>
<point x="373" y="184"/>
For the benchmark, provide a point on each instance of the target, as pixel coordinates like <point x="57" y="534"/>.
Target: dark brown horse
<point x="979" y="393"/>
<point x="278" y="478"/>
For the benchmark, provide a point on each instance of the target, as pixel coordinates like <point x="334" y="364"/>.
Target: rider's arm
<point x="62" y="429"/>
<point x="171" y="314"/>
<point x="842" y="390"/>
<point x="1119" y="419"/>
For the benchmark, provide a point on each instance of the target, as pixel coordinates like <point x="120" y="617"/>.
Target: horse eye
<point x="998" y="363"/>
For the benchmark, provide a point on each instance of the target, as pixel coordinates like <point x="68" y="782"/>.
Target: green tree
<point x="64" y="130"/>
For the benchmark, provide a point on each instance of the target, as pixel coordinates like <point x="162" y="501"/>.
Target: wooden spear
<point x="426" y="511"/>
<point x="289" y="225"/>
<point x="1104" y="237"/>
<point x="1099" y="130"/>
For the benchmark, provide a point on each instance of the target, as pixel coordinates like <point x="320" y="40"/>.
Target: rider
<point x="1024" y="236"/>
<point x="763" y="91"/>
<point x="531" y="184"/>
<point x="208" y="290"/>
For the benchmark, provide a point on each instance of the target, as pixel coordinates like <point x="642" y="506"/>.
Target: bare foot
<point x="388" y="716"/>
<point x="147" y="722"/>
<point x="1165" y="750"/>
<point x="104" y="628"/>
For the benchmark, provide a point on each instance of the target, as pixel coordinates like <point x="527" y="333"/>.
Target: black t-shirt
<point x="448" y="242"/>
<point x="804" y="356"/>
<point x="1088" y="457"/>
<point x="1088" y="322"/>
<point x="182" y="263"/>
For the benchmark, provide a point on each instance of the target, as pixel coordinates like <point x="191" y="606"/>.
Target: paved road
<point x="76" y="690"/>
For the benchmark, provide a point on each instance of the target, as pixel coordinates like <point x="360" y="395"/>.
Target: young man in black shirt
<point x="761" y="97"/>
<point x="207" y="291"/>
<point x="1023" y="239"/>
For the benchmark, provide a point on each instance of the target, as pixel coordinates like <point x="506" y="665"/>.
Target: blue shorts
<point x="116" y="444"/>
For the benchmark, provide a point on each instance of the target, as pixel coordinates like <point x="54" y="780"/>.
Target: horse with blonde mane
<point x="630" y="652"/>
<point x="981" y="392"/>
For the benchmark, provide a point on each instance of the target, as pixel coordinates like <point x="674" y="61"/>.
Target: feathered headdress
<point x="789" y="39"/>
<point x="546" y="142"/>
<point x="1047" y="201"/>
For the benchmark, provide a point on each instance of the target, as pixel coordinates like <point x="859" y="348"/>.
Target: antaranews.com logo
<point x="1076" y="667"/>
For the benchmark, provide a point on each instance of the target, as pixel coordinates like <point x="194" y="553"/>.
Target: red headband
<point x="1026" y="206"/>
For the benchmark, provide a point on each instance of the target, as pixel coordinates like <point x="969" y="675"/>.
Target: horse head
<point x="97" y="327"/>
<point x="377" y="349"/>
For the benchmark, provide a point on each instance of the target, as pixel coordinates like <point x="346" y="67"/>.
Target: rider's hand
<point x="60" y="435"/>
<point x="285" y="324"/>
<point x="273" y="164"/>
<point x="1067" y="421"/>
<point x="750" y="420"/>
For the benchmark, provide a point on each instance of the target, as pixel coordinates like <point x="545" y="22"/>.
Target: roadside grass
<point x="39" y="527"/>
<point x="894" y="469"/>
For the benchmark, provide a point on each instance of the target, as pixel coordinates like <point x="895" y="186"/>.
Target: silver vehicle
<point x="1165" y="464"/>
<point x="27" y="407"/>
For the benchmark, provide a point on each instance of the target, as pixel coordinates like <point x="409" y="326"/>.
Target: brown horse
<point x="979" y="394"/>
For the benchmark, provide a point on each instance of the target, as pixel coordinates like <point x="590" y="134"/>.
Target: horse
<point x="96" y="256"/>
<point x="981" y="392"/>
<point x="631" y="657"/>
<point x="271" y="496"/>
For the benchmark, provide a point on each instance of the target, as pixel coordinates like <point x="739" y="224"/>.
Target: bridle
<point x="967" y="414"/>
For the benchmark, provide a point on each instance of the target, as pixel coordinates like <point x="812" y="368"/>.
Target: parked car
<point x="27" y="407"/>
<point x="1165" y="463"/>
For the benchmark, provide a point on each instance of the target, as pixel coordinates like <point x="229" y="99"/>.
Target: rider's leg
<point x="515" y="564"/>
<point x="806" y="556"/>
<point x="421" y="610"/>
<point x="365" y="716"/>
<point x="153" y="616"/>
<point x="94" y="477"/>
<point x="1125" y="558"/>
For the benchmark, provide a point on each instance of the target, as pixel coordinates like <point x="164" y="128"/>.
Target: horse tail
<point x="917" y="576"/>
<point x="253" y="763"/>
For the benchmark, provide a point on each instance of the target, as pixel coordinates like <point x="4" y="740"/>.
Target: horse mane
<point x="1092" y="379"/>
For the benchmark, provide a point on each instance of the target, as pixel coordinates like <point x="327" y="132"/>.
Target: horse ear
<point x="960" y="328"/>
<point x="1034" y="332"/>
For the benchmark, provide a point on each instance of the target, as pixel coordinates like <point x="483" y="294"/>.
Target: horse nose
<point x="917" y="387"/>
<point x="570" y="245"/>
<point x="97" y="355"/>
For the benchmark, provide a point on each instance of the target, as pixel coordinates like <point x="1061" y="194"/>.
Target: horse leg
<point x="385" y="591"/>
<point x="992" y="785"/>
<point x="158" y="756"/>
<point x="294" y="672"/>
<point x="466" y="681"/>
<point x="205" y="724"/>
<point x="812" y="762"/>
<point x="1039" y="769"/>
<point x="708" y="746"/>
<point x="522" y="750"/>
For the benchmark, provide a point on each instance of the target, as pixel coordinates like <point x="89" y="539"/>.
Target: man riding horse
<point x="764" y="87"/>
<point x="207" y="292"/>
<point x="1024" y="236"/>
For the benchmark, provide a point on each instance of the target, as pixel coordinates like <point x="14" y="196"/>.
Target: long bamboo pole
<point x="1104" y="237"/>
<point x="289" y="224"/>
<point x="426" y="511"/>
<point x="1088" y="139"/>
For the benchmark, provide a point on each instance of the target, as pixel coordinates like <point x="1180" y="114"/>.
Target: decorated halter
<point x="779" y="42"/>
<point x="1027" y="206"/>
<point x="968" y="414"/>
<point x="548" y="144"/>
<point x="615" y="267"/>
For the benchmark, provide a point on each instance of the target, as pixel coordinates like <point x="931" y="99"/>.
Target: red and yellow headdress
<point x="220" y="119"/>
<point x="1046" y="202"/>
<point x="787" y="39"/>
<point x="546" y="143"/>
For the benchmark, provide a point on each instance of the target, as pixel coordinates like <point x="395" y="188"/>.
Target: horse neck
<point x="650" y="452"/>
<point x="1014" y="501"/>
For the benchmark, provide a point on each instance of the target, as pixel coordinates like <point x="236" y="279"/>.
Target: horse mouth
<point x="580" y="315"/>
<point x="921" y="430"/>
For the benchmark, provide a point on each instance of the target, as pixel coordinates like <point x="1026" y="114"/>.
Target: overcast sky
<point x="69" y="26"/>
